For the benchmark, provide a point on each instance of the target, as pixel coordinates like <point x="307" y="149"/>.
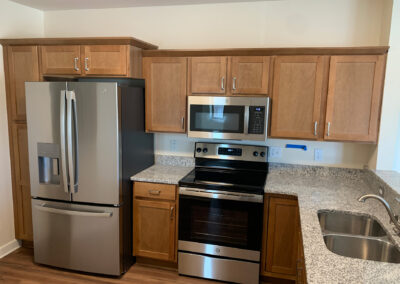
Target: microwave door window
<point x="217" y="118"/>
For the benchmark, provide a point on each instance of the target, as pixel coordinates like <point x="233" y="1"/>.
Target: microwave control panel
<point x="256" y="119"/>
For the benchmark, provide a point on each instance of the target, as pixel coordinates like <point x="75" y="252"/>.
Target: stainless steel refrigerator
<point x="85" y="140"/>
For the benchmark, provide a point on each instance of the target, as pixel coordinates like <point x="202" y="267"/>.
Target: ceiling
<point x="48" y="5"/>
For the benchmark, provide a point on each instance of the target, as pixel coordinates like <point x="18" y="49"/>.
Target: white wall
<point x="388" y="155"/>
<point x="253" y="24"/>
<point x="15" y="21"/>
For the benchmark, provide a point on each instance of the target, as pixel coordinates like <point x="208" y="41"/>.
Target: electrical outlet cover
<point x="275" y="152"/>
<point x="318" y="154"/>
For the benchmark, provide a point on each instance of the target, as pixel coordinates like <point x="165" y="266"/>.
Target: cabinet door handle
<point x="154" y="192"/>
<point x="329" y="128"/>
<point x="234" y="83"/>
<point x="183" y="122"/>
<point x="172" y="213"/>
<point x="86" y="64"/>
<point x="315" y="128"/>
<point x="223" y="83"/>
<point x="76" y="68"/>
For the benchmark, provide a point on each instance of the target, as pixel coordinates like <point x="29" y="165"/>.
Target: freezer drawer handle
<point x="44" y="208"/>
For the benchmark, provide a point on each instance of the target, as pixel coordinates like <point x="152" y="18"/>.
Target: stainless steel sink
<point x="364" y="248"/>
<point x="357" y="236"/>
<point x="345" y="223"/>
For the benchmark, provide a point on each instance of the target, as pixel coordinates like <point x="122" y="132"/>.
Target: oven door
<point x="212" y="225"/>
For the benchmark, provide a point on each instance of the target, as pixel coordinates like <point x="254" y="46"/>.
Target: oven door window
<point x="220" y="222"/>
<point x="217" y="118"/>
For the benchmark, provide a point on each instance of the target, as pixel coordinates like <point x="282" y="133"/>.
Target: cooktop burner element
<point x="228" y="167"/>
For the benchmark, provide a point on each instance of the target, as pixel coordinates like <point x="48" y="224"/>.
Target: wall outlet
<point x="172" y="145"/>
<point x="275" y="152"/>
<point x="318" y="154"/>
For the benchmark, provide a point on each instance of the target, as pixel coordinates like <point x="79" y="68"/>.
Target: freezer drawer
<point x="78" y="237"/>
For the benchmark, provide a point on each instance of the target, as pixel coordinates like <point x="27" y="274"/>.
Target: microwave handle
<point x="246" y="119"/>
<point x="267" y="108"/>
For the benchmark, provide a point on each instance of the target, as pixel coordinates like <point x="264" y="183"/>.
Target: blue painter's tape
<point x="295" y="146"/>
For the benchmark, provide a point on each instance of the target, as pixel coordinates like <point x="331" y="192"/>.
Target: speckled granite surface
<point x="319" y="188"/>
<point x="334" y="189"/>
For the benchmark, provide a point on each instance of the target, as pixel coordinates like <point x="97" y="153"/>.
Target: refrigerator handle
<point x="71" y="164"/>
<point x="76" y="153"/>
<point x="45" y="208"/>
<point x="62" y="139"/>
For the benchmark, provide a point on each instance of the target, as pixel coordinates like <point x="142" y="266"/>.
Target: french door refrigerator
<point x="85" y="140"/>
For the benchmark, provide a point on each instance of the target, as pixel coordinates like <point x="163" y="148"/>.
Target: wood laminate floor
<point x="18" y="267"/>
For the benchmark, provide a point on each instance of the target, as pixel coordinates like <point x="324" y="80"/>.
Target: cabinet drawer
<point x="154" y="190"/>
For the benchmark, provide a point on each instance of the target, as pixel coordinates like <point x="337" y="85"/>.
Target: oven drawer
<point x="154" y="190"/>
<point x="218" y="268"/>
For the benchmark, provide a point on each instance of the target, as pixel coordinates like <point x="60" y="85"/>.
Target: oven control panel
<point x="231" y="152"/>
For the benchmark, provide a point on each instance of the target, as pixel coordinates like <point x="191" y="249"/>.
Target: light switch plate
<point x="275" y="152"/>
<point x="318" y="154"/>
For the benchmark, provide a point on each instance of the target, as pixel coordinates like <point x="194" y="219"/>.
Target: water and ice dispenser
<point x="49" y="160"/>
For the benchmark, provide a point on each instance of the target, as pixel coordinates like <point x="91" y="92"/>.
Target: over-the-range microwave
<point x="238" y="118"/>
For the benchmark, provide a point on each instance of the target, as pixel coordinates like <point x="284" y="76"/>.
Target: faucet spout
<point x="389" y="210"/>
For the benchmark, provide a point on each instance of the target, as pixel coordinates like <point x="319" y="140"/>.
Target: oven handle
<point x="216" y="194"/>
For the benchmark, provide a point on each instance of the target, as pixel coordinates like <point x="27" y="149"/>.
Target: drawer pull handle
<point x="154" y="192"/>
<point x="172" y="212"/>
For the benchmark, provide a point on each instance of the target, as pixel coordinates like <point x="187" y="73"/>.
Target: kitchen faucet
<point x="389" y="210"/>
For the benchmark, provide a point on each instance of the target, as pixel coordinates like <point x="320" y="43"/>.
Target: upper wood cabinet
<point x="282" y="237"/>
<point x="165" y="93"/>
<point x="354" y="98"/>
<point x="60" y="60"/>
<point x="249" y="75"/>
<point x="22" y="67"/>
<point x="296" y="97"/>
<point x="154" y="221"/>
<point x="91" y="60"/>
<point x="208" y="75"/>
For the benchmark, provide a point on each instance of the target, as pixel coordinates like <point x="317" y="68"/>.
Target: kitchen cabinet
<point x="91" y="60"/>
<point x="208" y="75"/>
<point x="22" y="66"/>
<point x="222" y="75"/>
<point x="301" y="266"/>
<point x="166" y="80"/>
<point x="297" y="97"/>
<point x="60" y="60"/>
<point x="154" y="221"/>
<point x="354" y="97"/>
<point x="22" y="193"/>
<point x="249" y="75"/>
<point x="280" y="238"/>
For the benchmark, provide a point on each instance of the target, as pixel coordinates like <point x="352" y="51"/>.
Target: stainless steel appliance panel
<point x="47" y="173"/>
<point x="99" y="167"/>
<point x="79" y="237"/>
<point x="218" y="268"/>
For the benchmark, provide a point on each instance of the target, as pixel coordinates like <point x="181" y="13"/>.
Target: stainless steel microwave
<point x="238" y="118"/>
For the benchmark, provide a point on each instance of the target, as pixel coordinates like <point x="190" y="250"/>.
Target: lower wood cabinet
<point x="154" y="221"/>
<point x="282" y="249"/>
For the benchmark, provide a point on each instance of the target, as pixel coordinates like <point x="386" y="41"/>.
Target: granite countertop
<point x="160" y="173"/>
<point x="319" y="188"/>
<point x="334" y="189"/>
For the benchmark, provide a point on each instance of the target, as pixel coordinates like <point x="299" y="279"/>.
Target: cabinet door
<point x="250" y="74"/>
<point x="105" y="60"/>
<point x="354" y="97"/>
<point x="60" y="59"/>
<point x="208" y="75"/>
<point x="165" y="93"/>
<point x="154" y="229"/>
<point x="282" y="236"/>
<point x="301" y="268"/>
<point x="22" y="194"/>
<point x="23" y="65"/>
<point x="296" y="97"/>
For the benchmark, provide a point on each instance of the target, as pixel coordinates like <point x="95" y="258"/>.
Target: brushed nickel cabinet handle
<point x="76" y="68"/>
<point x="183" y="122"/>
<point x="315" y="128"/>
<point x="223" y="83"/>
<point x="172" y="212"/>
<point x="154" y="192"/>
<point x="329" y="128"/>
<point x="86" y="64"/>
<point x="234" y="83"/>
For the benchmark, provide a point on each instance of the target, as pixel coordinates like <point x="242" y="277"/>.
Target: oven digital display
<point x="230" y="151"/>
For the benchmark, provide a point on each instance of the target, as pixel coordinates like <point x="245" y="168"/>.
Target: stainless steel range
<point x="221" y="213"/>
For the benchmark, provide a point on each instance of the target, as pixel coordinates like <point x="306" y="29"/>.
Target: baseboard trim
<point x="9" y="248"/>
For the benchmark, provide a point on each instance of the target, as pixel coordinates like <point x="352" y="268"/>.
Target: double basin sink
<point x="357" y="236"/>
